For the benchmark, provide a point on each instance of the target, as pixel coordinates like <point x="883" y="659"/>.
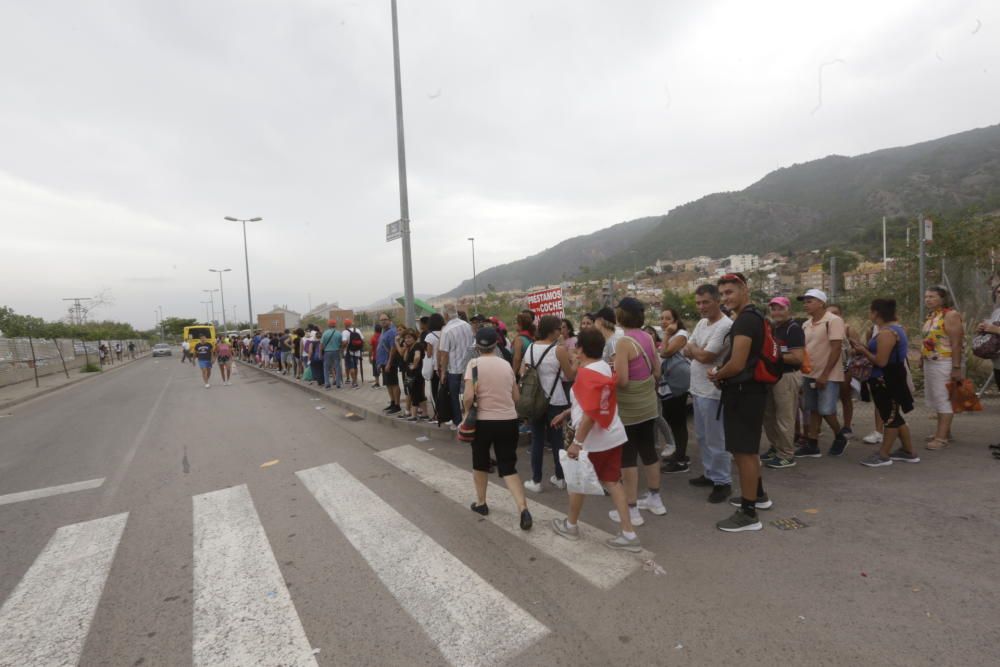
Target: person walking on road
<point x="598" y="430"/>
<point x="490" y="386"/>
<point x="204" y="353"/>
<point x="186" y="352"/>
<point x="330" y="342"/>
<point x="224" y="355"/>
<point x="131" y="350"/>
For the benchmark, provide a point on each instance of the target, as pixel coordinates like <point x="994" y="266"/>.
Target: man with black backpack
<point x="749" y="368"/>
<point x="354" y="348"/>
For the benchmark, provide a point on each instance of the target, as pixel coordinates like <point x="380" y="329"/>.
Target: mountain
<point x="820" y="203"/>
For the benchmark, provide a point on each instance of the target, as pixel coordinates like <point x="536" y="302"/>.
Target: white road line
<point x="243" y="614"/>
<point x="470" y="622"/>
<point x="588" y="557"/>
<point x="46" y="619"/>
<point x="50" y="491"/>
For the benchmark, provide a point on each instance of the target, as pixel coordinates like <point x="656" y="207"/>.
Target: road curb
<point x="51" y="390"/>
<point x="430" y="430"/>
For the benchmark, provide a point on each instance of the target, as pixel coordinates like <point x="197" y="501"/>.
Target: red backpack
<point x="767" y="370"/>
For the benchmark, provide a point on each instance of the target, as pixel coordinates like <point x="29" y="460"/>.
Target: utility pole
<point x="404" y="204"/>
<point x="475" y="289"/>
<point x="211" y="300"/>
<point x="833" y="277"/>
<point x="923" y="259"/>
<point x="885" y="247"/>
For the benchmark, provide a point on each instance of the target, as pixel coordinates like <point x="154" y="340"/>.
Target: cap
<point x="606" y="314"/>
<point x="478" y="318"/>
<point x="348" y="323"/>
<point x="781" y="301"/>
<point x="486" y="337"/>
<point x="631" y="305"/>
<point x="818" y="294"/>
<point x="331" y="323"/>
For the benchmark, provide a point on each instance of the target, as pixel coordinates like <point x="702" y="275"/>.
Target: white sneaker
<point x="453" y="427"/>
<point x="873" y="438"/>
<point x="558" y="483"/>
<point x="633" y="514"/>
<point x="668" y="451"/>
<point x="534" y="487"/>
<point x="652" y="502"/>
<point x="207" y="385"/>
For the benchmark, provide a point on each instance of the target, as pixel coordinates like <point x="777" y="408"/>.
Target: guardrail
<point x="23" y="359"/>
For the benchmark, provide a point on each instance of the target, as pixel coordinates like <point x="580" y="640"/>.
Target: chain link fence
<point x="24" y="359"/>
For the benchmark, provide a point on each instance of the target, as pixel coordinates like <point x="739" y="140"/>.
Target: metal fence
<point x="24" y="359"/>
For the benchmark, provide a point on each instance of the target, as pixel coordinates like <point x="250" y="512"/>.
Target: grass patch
<point x="91" y="368"/>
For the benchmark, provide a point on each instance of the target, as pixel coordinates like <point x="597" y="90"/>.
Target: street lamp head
<point x="256" y="219"/>
<point x="231" y="219"/>
<point x="472" y="238"/>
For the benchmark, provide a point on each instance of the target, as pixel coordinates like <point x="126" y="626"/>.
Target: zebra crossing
<point x="243" y="612"/>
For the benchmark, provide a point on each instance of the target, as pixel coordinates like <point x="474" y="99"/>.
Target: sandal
<point x="937" y="443"/>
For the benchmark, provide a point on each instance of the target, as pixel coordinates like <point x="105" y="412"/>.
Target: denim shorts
<point x="824" y="401"/>
<point x="204" y="363"/>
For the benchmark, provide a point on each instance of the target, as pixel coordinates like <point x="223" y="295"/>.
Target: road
<point x="241" y="525"/>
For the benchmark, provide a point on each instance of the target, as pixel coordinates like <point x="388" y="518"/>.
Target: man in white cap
<point x="824" y="341"/>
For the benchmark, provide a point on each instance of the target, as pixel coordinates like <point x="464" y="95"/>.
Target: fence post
<point x="61" y="357"/>
<point x="34" y="363"/>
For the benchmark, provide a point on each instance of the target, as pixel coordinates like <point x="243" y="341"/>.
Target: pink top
<point x="639" y="368"/>
<point x="494" y="388"/>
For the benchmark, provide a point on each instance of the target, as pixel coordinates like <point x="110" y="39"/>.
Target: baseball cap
<point x="817" y="294"/>
<point x="477" y="318"/>
<point x="631" y="305"/>
<point x="486" y="337"/>
<point x="331" y="323"/>
<point x="606" y="314"/>
<point x="781" y="301"/>
<point x="348" y="323"/>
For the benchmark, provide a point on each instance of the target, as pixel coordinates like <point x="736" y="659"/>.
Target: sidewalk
<point x="13" y="394"/>
<point x="364" y="402"/>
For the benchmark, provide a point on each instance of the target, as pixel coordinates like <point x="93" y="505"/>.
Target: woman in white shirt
<point x="674" y="388"/>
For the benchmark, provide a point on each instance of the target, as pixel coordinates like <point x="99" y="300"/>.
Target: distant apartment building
<point x="744" y="263"/>
<point x="814" y="278"/>
<point x="865" y="276"/>
<point x="278" y="319"/>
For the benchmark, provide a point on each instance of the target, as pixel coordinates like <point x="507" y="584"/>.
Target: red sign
<point x="547" y="302"/>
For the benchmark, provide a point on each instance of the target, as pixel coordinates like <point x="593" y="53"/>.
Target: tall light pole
<point x="404" y="204"/>
<point x="475" y="289"/>
<point x="206" y="309"/>
<point x="246" y="260"/>
<point x="157" y="323"/>
<point x="222" y="296"/>
<point x="211" y="300"/>
<point x="160" y="308"/>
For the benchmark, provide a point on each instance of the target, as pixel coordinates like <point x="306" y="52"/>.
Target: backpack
<point x="767" y="366"/>
<point x="533" y="403"/>
<point x="355" y="343"/>
<point x="675" y="375"/>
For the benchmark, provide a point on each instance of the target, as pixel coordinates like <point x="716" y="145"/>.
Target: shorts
<point x="351" y="362"/>
<point x="224" y="361"/>
<point x="417" y="389"/>
<point x="824" y="401"/>
<point x="743" y="417"/>
<point x="205" y="363"/>
<point x="641" y="444"/>
<point x="607" y="464"/>
<point x="501" y="435"/>
<point x="888" y="409"/>
<point x="390" y="376"/>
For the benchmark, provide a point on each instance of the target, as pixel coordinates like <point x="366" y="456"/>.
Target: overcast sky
<point x="129" y="128"/>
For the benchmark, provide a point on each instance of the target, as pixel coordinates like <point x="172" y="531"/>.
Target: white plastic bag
<point x="580" y="474"/>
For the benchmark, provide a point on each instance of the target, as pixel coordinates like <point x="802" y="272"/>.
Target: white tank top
<point x="547" y="372"/>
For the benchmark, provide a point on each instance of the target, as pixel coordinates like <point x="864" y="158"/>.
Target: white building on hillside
<point x="744" y="263"/>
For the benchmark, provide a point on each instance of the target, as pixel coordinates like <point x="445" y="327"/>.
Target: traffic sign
<point x="394" y="230"/>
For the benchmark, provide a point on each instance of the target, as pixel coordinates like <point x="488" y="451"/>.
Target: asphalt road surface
<point x="146" y="520"/>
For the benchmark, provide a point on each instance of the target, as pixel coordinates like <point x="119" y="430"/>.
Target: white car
<point x="162" y="350"/>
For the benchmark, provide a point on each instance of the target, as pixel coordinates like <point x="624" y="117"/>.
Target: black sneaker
<point x="739" y="522"/>
<point x="762" y="502"/>
<point x="675" y="467"/>
<point x="525" y="520"/>
<point x="701" y="481"/>
<point x="393" y="410"/>
<point x="838" y="446"/>
<point x="768" y="455"/>
<point x="481" y="509"/>
<point x="720" y="492"/>
<point x="809" y="451"/>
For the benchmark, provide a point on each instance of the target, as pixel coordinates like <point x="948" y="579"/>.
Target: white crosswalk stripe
<point x="46" y="619"/>
<point x="243" y="613"/>
<point x="34" y="494"/>
<point x="588" y="557"/>
<point x="472" y="623"/>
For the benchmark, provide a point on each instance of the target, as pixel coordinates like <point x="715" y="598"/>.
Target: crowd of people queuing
<point x="615" y="381"/>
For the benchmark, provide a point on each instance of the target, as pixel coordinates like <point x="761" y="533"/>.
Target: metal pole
<point x="34" y="362"/>
<point x="885" y="247"/>
<point x="404" y="205"/>
<point x="246" y="260"/>
<point x="222" y="297"/>
<point x="61" y="357"/>
<point x="923" y="258"/>
<point x="833" y="278"/>
<point x="475" y="288"/>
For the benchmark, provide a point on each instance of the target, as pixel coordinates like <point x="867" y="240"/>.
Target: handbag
<point x="986" y="345"/>
<point x="963" y="396"/>
<point x="467" y="429"/>
<point x="860" y="368"/>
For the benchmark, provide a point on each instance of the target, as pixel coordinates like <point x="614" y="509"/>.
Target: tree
<point x="174" y="326"/>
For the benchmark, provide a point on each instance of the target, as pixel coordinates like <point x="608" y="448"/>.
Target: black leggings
<point x="502" y="435"/>
<point x="641" y="444"/>
<point x="675" y="412"/>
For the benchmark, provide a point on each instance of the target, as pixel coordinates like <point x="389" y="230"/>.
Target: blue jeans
<point x="332" y="358"/>
<point x="455" y="381"/>
<point x="712" y="440"/>
<point x="542" y="433"/>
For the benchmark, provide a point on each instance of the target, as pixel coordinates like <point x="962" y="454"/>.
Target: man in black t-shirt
<point x="743" y="402"/>
<point x="204" y="352"/>
<point x="783" y="397"/>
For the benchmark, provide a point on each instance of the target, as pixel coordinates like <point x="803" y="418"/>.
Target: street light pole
<point x="222" y="296"/>
<point x="206" y="309"/>
<point x="246" y="260"/>
<point x="475" y="289"/>
<point x="404" y="204"/>
<point x="211" y="300"/>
